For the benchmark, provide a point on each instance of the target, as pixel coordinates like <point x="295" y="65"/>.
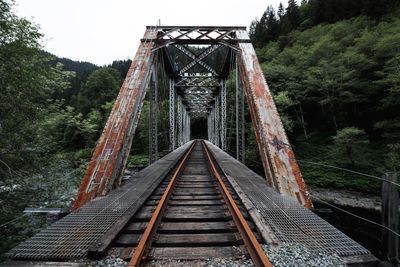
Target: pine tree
<point x="272" y="24"/>
<point x="293" y="14"/>
<point x="281" y="12"/>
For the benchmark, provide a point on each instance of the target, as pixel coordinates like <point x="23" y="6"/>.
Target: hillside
<point x="336" y="85"/>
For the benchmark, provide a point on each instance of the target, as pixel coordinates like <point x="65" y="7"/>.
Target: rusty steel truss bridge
<point x="197" y="63"/>
<point x="197" y="89"/>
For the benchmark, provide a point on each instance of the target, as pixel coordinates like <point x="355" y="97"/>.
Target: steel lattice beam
<point x="198" y="92"/>
<point x="240" y="133"/>
<point x="171" y="115"/>
<point x="198" y="80"/>
<point x="180" y="120"/>
<point x="198" y="35"/>
<point x="211" y="125"/>
<point x="223" y="115"/>
<point x="153" y="118"/>
<point x="184" y="124"/>
<point x="280" y="166"/>
<point x="217" y="122"/>
<point x="189" y="128"/>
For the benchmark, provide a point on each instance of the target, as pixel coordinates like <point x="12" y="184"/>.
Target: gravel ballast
<point x="286" y="255"/>
<point x="291" y="255"/>
<point x="216" y="262"/>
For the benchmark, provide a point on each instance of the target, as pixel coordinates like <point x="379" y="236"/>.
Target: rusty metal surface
<point x="71" y="237"/>
<point x="109" y="158"/>
<point x="280" y="166"/>
<point x="290" y="221"/>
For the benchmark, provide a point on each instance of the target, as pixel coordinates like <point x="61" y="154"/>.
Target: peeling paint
<point x="108" y="160"/>
<point x="280" y="167"/>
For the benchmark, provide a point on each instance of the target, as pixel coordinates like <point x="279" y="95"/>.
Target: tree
<point x="291" y="19"/>
<point x="81" y="69"/>
<point x="350" y="142"/>
<point x="101" y="86"/>
<point x="387" y="53"/>
<point x="283" y="104"/>
<point x="281" y="11"/>
<point x="265" y="30"/>
<point x="392" y="159"/>
<point x="28" y="80"/>
<point x="122" y="66"/>
<point x="272" y="24"/>
<point x="293" y="14"/>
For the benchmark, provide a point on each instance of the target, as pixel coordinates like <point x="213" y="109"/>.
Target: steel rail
<point x="146" y="238"/>
<point x="254" y="248"/>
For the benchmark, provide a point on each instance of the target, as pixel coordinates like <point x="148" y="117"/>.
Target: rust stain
<point x="109" y="152"/>
<point x="280" y="167"/>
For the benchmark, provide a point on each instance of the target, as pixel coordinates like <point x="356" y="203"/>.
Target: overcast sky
<point x="100" y="31"/>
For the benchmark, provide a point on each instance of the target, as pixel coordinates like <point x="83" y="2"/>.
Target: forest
<point x="334" y="70"/>
<point x="333" y="67"/>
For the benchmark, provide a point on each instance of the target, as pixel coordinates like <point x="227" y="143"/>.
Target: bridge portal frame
<point x="111" y="153"/>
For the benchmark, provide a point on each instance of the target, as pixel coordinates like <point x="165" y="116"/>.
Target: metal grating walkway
<point x="70" y="237"/>
<point x="291" y="222"/>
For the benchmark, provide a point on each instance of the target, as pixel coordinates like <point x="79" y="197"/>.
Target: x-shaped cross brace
<point x="197" y="59"/>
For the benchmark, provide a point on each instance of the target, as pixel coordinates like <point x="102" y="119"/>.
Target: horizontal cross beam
<point x="201" y="28"/>
<point x="163" y="42"/>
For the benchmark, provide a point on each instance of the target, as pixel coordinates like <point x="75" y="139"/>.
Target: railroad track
<point x="194" y="214"/>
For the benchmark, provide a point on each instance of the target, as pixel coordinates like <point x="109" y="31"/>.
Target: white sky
<point x="100" y="31"/>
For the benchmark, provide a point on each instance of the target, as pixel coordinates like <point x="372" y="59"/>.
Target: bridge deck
<point x="285" y="219"/>
<point x="289" y="221"/>
<point x="70" y="237"/>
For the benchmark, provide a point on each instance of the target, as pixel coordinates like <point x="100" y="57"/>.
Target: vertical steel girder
<point x="211" y="125"/>
<point x="208" y="126"/>
<point x="153" y="118"/>
<point x="240" y="133"/>
<point x="186" y="126"/>
<point x="111" y="153"/>
<point x="223" y="115"/>
<point x="280" y="165"/>
<point x="171" y="115"/>
<point x="189" y="128"/>
<point x="217" y="122"/>
<point x="180" y="120"/>
<point x="176" y="97"/>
